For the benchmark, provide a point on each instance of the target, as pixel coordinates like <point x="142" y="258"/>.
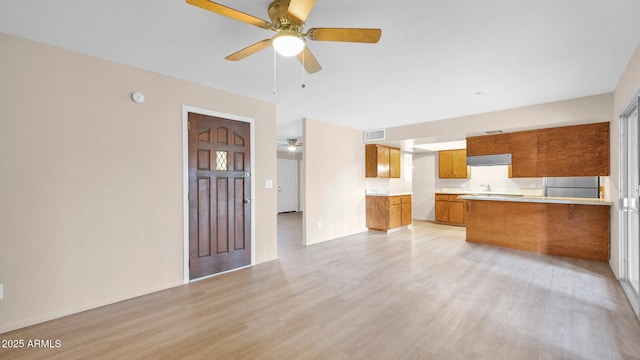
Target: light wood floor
<point x="414" y="294"/>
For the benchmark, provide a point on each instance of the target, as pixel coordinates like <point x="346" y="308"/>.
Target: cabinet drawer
<point x="447" y="197"/>
<point x="395" y="200"/>
<point x="406" y="199"/>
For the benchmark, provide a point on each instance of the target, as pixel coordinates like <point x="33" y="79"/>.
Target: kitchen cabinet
<point x="579" y="150"/>
<point x="450" y="210"/>
<point x="574" y="151"/>
<point x="452" y="164"/>
<point x="394" y="162"/>
<point x="382" y="161"/>
<point x="406" y="208"/>
<point x="388" y="212"/>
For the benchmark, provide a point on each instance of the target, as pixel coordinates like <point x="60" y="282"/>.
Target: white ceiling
<point x="432" y="58"/>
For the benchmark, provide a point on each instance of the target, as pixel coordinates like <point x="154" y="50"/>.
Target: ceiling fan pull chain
<point x="303" y="70"/>
<point x="274" y="71"/>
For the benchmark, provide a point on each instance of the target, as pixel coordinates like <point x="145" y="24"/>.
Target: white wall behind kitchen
<point x="424" y="185"/>
<point x="495" y="176"/>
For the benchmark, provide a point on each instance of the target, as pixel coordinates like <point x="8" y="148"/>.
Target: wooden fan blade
<point x="300" y="9"/>
<point x="229" y="12"/>
<point x="249" y="50"/>
<point x="345" y="34"/>
<point x="309" y="61"/>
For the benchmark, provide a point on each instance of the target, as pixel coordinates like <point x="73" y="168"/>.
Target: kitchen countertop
<point x="387" y="194"/>
<point x="537" y="199"/>
<point x="461" y="191"/>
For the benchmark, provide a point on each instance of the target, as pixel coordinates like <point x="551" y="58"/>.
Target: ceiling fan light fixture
<point x="291" y="148"/>
<point x="288" y="43"/>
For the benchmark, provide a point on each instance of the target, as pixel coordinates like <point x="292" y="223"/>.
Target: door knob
<point x="246" y="201"/>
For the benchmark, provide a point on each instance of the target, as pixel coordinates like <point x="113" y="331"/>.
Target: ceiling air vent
<point x="374" y="135"/>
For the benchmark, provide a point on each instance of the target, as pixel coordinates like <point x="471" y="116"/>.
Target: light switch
<point x="268" y="184"/>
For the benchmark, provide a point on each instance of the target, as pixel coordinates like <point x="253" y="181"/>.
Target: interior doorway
<point x="288" y="189"/>
<point x="630" y="207"/>
<point x="291" y="175"/>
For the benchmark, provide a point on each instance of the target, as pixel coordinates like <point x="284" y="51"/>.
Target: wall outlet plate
<point x="1" y="291"/>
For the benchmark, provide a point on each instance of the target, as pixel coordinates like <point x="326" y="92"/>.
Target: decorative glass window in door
<point x="222" y="160"/>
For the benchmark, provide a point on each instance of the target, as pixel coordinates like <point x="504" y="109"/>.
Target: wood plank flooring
<point x="421" y="293"/>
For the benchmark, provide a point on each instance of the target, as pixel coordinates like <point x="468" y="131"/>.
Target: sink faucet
<point x="487" y="187"/>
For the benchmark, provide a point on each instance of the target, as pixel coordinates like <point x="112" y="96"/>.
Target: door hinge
<point x="188" y="125"/>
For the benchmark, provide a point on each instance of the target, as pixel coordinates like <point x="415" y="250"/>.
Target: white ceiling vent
<point x="374" y="135"/>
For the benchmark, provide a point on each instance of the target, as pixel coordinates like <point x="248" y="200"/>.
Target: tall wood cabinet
<point x="452" y="164"/>
<point x="382" y="161"/>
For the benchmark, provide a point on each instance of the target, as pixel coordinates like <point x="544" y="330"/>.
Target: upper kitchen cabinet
<point x="382" y="161"/>
<point x="522" y="146"/>
<point x="452" y="164"/>
<point x="394" y="162"/>
<point x="580" y="150"/>
<point x="574" y="150"/>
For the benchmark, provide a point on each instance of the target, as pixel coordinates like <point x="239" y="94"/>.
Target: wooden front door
<point x="219" y="195"/>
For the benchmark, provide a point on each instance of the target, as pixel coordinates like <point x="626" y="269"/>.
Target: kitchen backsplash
<point x="497" y="177"/>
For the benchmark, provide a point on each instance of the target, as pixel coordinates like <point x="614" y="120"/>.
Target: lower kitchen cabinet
<point x="450" y="210"/>
<point x="407" y="214"/>
<point x="388" y="212"/>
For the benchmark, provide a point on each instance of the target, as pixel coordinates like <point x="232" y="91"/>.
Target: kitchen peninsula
<point x="572" y="227"/>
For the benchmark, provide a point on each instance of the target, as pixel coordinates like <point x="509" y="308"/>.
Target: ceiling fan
<point x="287" y="20"/>
<point x="291" y="144"/>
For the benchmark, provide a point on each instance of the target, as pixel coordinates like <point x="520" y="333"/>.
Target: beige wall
<point x="91" y="182"/>
<point x="629" y="82"/>
<point x="334" y="181"/>
<point x="575" y="111"/>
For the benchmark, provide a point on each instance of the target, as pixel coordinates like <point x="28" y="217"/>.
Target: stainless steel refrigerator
<point x="580" y="186"/>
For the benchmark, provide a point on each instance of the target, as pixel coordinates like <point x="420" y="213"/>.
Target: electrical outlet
<point x="1" y="291"/>
<point x="319" y="224"/>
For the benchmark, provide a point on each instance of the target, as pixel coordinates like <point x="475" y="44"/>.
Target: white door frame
<point x="185" y="179"/>
<point x="634" y="300"/>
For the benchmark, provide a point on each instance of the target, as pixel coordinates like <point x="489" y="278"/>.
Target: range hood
<point x="489" y="160"/>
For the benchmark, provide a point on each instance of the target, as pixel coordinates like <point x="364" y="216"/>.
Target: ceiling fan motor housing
<point x="280" y="18"/>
